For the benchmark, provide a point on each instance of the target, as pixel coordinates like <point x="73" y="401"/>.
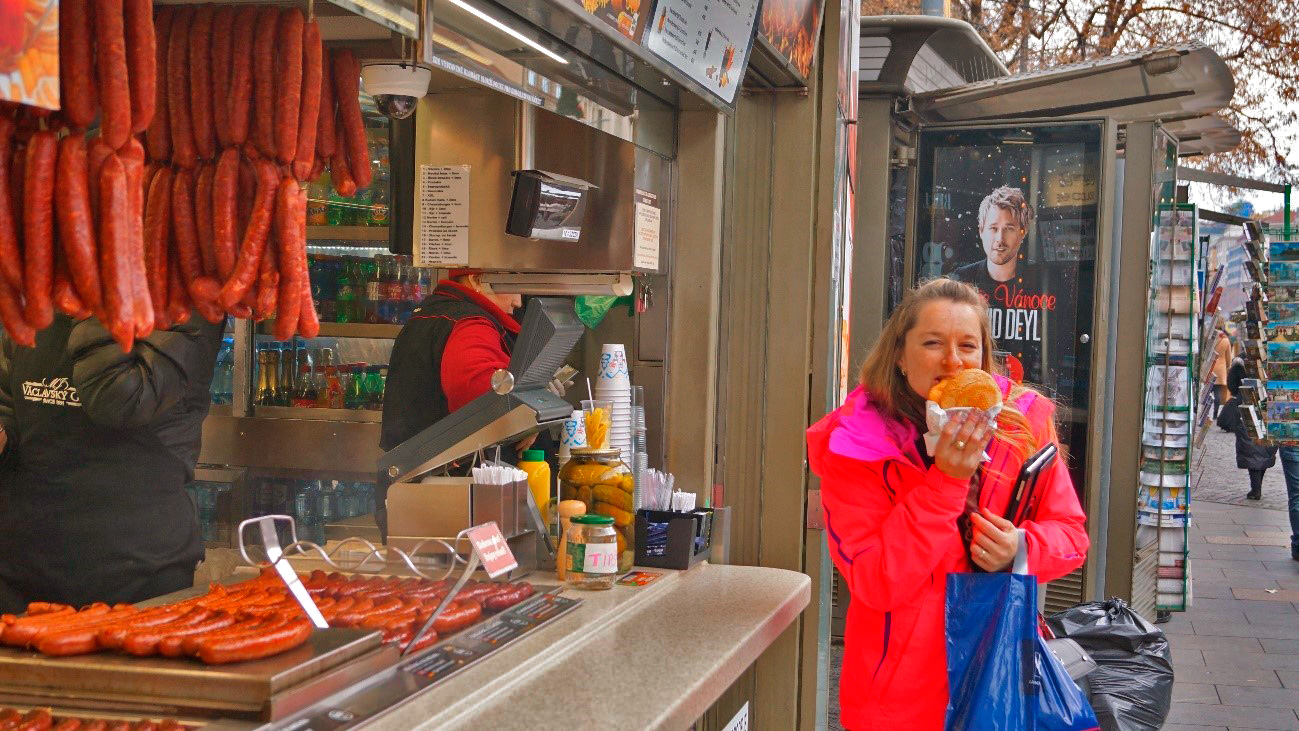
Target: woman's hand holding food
<point x="961" y="444"/>
<point x="995" y="541"/>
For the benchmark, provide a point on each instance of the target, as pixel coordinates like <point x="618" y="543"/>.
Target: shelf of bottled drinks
<point x="303" y="374"/>
<point x="313" y="503"/>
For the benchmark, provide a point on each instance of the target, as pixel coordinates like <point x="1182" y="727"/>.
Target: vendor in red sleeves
<point x="444" y="358"/>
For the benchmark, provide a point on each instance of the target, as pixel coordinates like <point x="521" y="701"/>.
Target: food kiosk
<point x="613" y="101"/>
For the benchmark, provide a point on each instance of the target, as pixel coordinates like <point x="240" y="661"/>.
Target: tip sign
<point x="493" y="551"/>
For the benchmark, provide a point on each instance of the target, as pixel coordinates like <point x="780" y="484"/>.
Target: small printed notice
<point x="443" y="216"/>
<point x="493" y="551"/>
<point x="647" y="231"/>
<point x="639" y="578"/>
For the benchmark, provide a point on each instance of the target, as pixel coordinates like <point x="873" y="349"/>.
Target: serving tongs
<point x="278" y="558"/>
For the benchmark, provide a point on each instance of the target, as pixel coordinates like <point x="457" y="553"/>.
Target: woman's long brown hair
<point x="889" y="389"/>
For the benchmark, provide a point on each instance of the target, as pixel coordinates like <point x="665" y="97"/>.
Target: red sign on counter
<point x="493" y="551"/>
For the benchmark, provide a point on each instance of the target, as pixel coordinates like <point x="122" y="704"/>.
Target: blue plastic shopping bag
<point x="990" y="626"/>
<point x="1000" y="673"/>
<point x="1061" y="704"/>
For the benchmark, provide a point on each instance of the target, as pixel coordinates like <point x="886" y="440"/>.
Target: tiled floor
<point x="1236" y="652"/>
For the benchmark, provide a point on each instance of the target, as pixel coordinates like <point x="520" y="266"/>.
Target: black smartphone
<point x="1023" y="500"/>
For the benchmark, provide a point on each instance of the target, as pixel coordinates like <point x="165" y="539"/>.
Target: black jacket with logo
<point x="100" y="446"/>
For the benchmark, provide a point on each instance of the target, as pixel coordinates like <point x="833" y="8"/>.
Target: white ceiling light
<point x="507" y="30"/>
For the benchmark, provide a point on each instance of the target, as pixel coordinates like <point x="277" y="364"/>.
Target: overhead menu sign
<point x="29" y="52"/>
<point x="625" y="16"/>
<point x="708" y="40"/>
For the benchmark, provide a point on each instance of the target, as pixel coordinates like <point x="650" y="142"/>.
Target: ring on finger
<point x="960" y="444"/>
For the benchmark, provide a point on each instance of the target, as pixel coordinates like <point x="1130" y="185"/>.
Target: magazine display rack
<point x="1172" y="349"/>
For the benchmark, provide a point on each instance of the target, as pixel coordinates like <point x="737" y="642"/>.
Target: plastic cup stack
<point x="640" y="447"/>
<point x="572" y="434"/>
<point x="613" y="383"/>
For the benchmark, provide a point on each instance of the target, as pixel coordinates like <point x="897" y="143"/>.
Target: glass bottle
<point x="337" y="209"/>
<point x="410" y="295"/>
<point x="318" y="203"/>
<point x="333" y="388"/>
<point x="273" y="362"/>
<point x="372" y="269"/>
<point x="374" y="387"/>
<point x="359" y="211"/>
<point x="305" y="397"/>
<point x="379" y="203"/>
<point x="265" y="372"/>
<point x="288" y="374"/>
<point x="346" y="295"/>
<point x="354" y="398"/>
<point x="393" y="291"/>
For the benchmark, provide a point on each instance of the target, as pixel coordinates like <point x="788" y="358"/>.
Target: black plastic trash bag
<point x="1131" y="688"/>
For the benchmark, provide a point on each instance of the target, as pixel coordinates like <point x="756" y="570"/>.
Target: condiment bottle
<point x="534" y="463"/>
<point x="567" y="509"/>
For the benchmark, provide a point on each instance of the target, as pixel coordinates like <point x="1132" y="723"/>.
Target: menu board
<point x="29" y="52"/>
<point x="793" y="27"/>
<point x="708" y="40"/>
<point x="628" y="17"/>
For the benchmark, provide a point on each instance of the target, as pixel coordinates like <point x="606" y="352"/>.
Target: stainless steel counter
<point x="651" y="657"/>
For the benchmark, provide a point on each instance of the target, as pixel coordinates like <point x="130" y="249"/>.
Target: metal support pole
<point x="1287" y="211"/>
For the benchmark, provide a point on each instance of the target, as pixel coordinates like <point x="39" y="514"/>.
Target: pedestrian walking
<point x="899" y="521"/>
<point x="1221" y="394"/>
<point x="1290" y="469"/>
<point x="1251" y="456"/>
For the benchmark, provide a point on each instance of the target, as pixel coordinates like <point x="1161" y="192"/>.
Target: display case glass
<point x="294" y="425"/>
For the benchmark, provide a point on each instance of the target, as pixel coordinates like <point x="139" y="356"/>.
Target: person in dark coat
<point x="96" y="448"/>
<point x="1255" y="458"/>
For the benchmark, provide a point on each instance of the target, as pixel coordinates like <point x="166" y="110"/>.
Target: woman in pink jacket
<point x="899" y="521"/>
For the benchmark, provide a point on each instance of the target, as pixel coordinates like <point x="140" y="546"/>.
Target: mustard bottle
<point x="534" y="463"/>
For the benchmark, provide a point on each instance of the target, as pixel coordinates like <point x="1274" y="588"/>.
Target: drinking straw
<point x="588" y="389"/>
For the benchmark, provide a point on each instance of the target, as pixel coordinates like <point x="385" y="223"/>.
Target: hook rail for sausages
<point x="375" y="559"/>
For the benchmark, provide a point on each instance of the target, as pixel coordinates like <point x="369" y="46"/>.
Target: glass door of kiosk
<point x="1013" y="210"/>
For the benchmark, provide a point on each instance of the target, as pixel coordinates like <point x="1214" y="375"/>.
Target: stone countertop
<point x="650" y="657"/>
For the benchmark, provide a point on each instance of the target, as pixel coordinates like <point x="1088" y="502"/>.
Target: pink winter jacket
<point x="893" y="535"/>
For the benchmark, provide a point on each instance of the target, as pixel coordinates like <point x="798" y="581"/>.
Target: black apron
<point x="87" y="513"/>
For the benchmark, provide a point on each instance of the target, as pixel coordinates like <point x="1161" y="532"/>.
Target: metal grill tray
<point x="266" y="689"/>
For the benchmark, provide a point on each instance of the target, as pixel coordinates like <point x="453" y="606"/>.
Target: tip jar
<point x="591" y="553"/>
<point x="603" y="482"/>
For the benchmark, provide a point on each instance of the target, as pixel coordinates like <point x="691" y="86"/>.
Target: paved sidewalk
<point x="1236" y="652"/>
<point x="1218" y="479"/>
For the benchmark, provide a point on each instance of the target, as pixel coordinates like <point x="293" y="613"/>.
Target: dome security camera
<point x="396" y="87"/>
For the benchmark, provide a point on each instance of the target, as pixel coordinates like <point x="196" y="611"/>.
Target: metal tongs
<point x="271" y="542"/>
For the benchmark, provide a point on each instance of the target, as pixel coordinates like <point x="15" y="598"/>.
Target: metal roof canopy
<point x="1203" y="135"/>
<point x="908" y="54"/>
<point x="1170" y="83"/>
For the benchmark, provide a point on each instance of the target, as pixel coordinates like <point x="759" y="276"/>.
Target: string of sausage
<point x="178" y="94"/>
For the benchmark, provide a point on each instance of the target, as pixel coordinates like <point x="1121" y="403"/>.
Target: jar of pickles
<point x="600" y="479"/>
